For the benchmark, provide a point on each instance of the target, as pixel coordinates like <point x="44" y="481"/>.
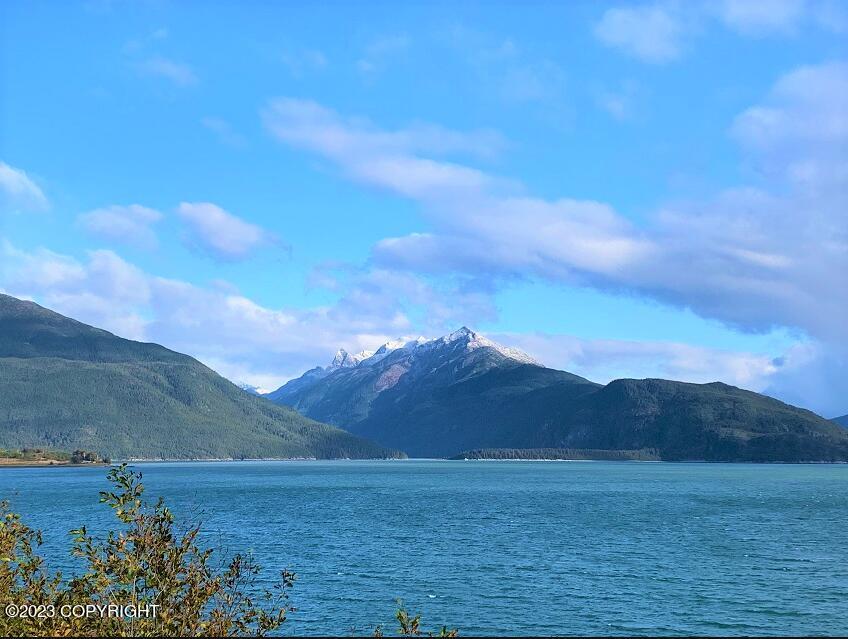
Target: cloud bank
<point x="755" y="257"/>
<point x="131" y="224"/>
<point x="221" y="234"/>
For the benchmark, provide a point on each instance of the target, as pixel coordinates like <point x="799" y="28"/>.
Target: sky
<point x="646" y="189"/>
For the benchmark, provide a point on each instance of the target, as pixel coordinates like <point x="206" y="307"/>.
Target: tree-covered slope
<point x="28" y="330"/>
<point x="842" y="421"/>
<point x="67" y="385"/>
<point x="713" y="422"/>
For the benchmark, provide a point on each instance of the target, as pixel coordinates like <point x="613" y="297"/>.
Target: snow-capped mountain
<point x="464" y="337"/>
<point x="352" y="388"/>
<point x="398" y="357"/>
<point x="250" y="388"/>
<point x="471" y="340"/>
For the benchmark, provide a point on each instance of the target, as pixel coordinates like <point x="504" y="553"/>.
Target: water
<point x="508" y="547"/>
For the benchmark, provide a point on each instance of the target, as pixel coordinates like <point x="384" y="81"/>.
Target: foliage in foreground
<point x="411" y="626"/>
<point x="147" y="563"/>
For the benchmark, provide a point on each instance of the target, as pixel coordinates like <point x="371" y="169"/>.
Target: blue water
<point x="508" y="547"/>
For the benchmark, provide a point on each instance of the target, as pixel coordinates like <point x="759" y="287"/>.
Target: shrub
<point x="411" y="626"/>
<point x="146" y="563"/>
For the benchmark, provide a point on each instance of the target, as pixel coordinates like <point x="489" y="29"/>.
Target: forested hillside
<point x="67" y="385"/>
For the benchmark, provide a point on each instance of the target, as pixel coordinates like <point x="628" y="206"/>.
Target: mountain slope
<point x="714" y="422"/>
<point x="842" y="421"/>
<point x="463" y="392"/>
<point x="67" y="385"/>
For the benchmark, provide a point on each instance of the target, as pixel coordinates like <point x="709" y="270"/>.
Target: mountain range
<point x="440" y="397"/>
<point x="67" y="385"/>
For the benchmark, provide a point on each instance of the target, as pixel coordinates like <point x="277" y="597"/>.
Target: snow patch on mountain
<point x="394" y="345"/>
<point x="464" y="335"/>
<point x="474" y="340"/>
<point x="343" y="359"/>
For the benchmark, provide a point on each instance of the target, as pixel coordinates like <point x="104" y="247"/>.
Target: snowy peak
<point x="473" y="341"/>
<point x="343" y="359"/>
<point x="392" y="346"/>
<point x="345" y="390"/>
<point x="467" y="339"/>
<point x="463" y="333"/>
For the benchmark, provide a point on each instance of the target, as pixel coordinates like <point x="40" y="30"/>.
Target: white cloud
<point x="813" y="375"/>
<point x="387" y="159"/>
<point x="651" y="33"/>
<point x="656" y="32"/>
<point x="18" y="192"/>
<point x="219" y="233"/>
<point x="178" y="73"/>
<point x="807" y="105"/>
<point x="603" y="360"/>
<point x="309" y="125"/>
<point x="105" y="291"/>
<point x="800" y="131"/>
<point x="40" y="269"/>
<point x="522" y="234"/>
<point x="747" y="258"/>
<point x="127" y="224"/>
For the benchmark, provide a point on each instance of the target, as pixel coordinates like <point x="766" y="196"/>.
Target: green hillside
<point x="66" y="385"/>
<point x="715" y="422"/>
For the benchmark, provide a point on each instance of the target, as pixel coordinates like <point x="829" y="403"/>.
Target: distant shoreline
<point x="29" y="463"/>
<point x="438" y="459"/>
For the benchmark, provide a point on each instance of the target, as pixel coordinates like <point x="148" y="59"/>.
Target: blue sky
<point x="623" y="189"/>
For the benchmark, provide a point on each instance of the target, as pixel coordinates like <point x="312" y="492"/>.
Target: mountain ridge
<point x="463" y="392"/>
